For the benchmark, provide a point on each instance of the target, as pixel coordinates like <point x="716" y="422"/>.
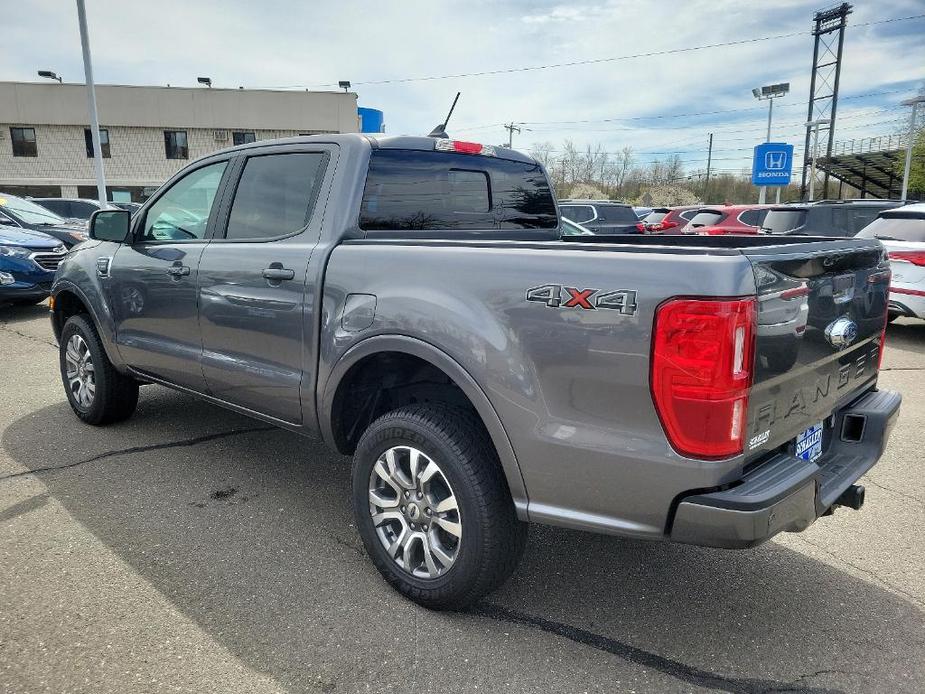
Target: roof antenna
<point x="440" y="130"/>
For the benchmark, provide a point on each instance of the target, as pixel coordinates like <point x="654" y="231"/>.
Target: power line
<point x="591" y="61"/>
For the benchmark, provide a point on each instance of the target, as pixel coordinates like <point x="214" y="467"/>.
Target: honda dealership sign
<point x="772" y="164"/>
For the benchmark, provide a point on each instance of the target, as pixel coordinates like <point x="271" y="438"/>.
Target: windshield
<point x="782" y="221"/>
<point x="28" y="211"/>
<point x="895" y="229"/>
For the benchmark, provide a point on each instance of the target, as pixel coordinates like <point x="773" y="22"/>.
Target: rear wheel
<point x="97" y="393"/>
<point x="433" y="507"/>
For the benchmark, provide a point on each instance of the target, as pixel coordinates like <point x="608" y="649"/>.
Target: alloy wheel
<point x="79" y="371"/>
<point x="414" y="512"/>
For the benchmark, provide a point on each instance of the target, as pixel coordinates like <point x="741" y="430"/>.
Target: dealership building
<point x="147" y="133"/>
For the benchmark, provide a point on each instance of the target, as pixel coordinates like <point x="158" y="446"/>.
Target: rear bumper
<point x="907" y="302"/>
<point x="787" y="493"/>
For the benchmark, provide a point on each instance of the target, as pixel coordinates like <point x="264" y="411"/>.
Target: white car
<point x="902" y="232"/>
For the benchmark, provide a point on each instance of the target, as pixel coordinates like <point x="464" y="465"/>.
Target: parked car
<point x="80" y="208"/>
<point x="902" y="233"/>
<point x="839" y="218"/>
<point x="413" y="299"/>
<point x="669" y="220"/>
<point x="25" y="214"/>
<point x="602" y="216"/>
<point x="726" y="219"/>
<point x="28" y="260"/>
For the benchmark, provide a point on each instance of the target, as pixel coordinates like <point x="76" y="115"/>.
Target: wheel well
<point x="67" y="304"/>
<point x="383" y="382"/>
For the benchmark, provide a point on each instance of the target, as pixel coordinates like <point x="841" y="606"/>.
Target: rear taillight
<point x="641" y="227"/>
<point x="701" y="373"/>
<point x="668" y="225"/>
<point x="463" y="147"/>
<point x="914" y="257"/>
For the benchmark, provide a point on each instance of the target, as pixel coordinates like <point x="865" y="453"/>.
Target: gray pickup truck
<point x="411" y="300"/>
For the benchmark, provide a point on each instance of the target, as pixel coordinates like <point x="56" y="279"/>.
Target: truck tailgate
<point x="822" y="310"/>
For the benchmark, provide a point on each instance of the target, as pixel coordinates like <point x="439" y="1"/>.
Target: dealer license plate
<point x="809" y="443"/>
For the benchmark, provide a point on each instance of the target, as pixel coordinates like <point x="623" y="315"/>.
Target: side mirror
<point x="110" y="225"/>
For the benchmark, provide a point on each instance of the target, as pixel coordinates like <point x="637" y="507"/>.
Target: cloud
<point x="303" y="45"/>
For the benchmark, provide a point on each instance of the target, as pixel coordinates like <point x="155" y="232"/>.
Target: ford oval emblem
<point x="841" y="332"/>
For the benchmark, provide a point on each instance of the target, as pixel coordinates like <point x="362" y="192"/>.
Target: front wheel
<point x="433" y="507"/>
<point x="97" y="393"/>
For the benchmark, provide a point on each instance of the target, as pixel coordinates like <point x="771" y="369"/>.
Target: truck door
<point x="153" y="279"/>
<point x="253" y="313"/>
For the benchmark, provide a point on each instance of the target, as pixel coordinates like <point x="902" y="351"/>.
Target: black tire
<point x="493" y="539"/>
<point x="115" y="395"/>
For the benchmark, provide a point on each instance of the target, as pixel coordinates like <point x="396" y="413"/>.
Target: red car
<point x="727" y="219"/>
<point x="669" y="220"/>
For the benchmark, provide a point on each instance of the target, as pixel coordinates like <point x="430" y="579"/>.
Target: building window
<point x="175" y="144"/>
<point x="242" y="138"/>
<point x="104" y="142"/>
<point x="23" y="142"/>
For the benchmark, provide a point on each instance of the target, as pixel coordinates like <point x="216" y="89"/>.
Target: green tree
<point x="917" y="170"/>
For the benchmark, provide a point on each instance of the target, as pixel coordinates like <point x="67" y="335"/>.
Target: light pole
<point x="769" y="93"/>
<point x="91" y="104"/>
<point x="914" y="103"/>
<point x="814" y="124"/>
<point x="49" y="75"/>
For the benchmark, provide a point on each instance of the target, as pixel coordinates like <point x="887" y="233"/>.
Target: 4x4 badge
<point x="563" y="296"/>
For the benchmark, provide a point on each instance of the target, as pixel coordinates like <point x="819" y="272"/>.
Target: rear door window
<point x="895" y="229"/>
<point x="783" y="221"/>
<point x="577" y="213"/>
<point x="753" y="218"/>
<point x="687" y="215"/>
<point x="420" y="190"/>
<point x="276" y="195"/>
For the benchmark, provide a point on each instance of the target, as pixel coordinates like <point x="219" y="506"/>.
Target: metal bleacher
<point x="872" y="165"/>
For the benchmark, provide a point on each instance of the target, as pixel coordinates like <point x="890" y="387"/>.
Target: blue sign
<point x="772" y="164"/>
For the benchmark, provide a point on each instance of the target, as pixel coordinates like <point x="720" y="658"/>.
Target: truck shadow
<point x="248" y="531"/>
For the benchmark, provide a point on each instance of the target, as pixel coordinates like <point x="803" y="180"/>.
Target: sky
<point x="383" y="48"/>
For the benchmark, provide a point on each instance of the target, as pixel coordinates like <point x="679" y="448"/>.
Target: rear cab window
<point x="420" y="191"/>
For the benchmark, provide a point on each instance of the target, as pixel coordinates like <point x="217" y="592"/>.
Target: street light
<point x="205" y="80"/>
<point x="769" y="93"/>
<point x="814" y="124"/>
<point x="914" y="103"/>
<point x="48" y="74"/>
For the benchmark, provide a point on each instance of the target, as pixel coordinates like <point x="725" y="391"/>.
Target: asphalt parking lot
<point x="191" y="549"/>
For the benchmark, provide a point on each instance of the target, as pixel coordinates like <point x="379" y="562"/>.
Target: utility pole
<point x="914" y="103"/>
<point x="511" y="128"/>
<point x="706" y="185"/>
<point x="91" y="103"/>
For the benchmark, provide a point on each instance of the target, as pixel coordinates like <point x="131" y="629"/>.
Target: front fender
<point x="78" y="276"/>
<point x="452" y="368"/>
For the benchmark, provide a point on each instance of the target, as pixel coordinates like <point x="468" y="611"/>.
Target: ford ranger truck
<point x="411" y="301"/>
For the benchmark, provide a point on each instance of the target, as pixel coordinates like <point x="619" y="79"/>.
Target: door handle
<point x="276" y="272"/>
<point x="178" y="270"/>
